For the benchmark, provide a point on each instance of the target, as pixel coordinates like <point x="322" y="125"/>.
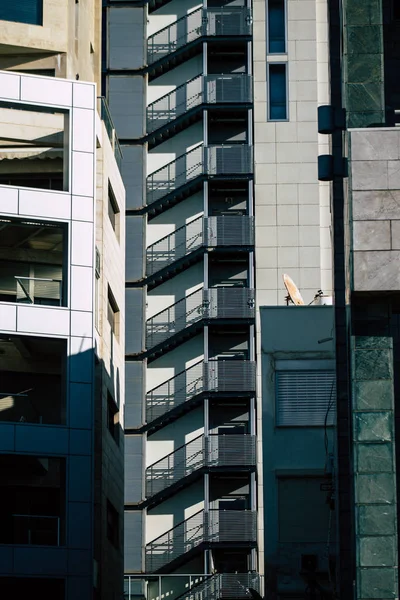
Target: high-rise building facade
<point x="215" y="105"/>
<point x="61" y="309"/>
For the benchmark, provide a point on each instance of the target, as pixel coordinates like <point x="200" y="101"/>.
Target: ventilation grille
<point x="305" y="398"/>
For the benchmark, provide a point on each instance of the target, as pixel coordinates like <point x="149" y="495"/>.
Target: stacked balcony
<point x="212" y="378"/>
<point x="183" y="106"/>
<point x="186" y="245"/>
<point x="186" y="317"/>
<point x="183" y="176"/>
<point x="203" y="529"/>
<point x="222" y="306"/>
<point x="182" y="39"/>
<point x="203" y="453"/>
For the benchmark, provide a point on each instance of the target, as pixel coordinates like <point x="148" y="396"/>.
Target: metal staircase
<point x="185" y="318"/>
<point x="172" y="112"/>
<point x="212" y="451"/>
<point x="178" y="394"/>
<point x="180" y="40"/>
<point x="203" y="528"/>
<point x="181" y="177"/>
<point x="184" y="246"/>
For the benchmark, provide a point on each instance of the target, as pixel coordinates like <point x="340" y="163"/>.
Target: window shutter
<point x="305" y="398"/>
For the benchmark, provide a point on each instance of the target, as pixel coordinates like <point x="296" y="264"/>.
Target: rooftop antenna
<point x="293" y="291"/>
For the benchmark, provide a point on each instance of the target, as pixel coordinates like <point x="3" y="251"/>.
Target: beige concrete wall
<point x="109" y="456"/>
<point x="68" y="42"/>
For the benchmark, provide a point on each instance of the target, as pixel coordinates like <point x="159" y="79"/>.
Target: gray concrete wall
<point x="374" y="191"/>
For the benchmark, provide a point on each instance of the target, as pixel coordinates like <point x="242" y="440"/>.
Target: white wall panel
<point x="49" y="90"/>
<point x="81" y="288"/>
<point x="8" y="317"/>
<point x="82" y="243"/>
<point x="37" y="319"/>
<point x="45" y="204"/>
<point x="82" y="174"/>
<point x="82" y="130"/>
<point x="8" y="199"/>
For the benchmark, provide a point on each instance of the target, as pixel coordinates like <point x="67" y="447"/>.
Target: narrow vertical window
<point x="113" y="314"/>
<point x="276" y="27"/>
<point x="113" y="210"/>
<point x="277" y="88"/>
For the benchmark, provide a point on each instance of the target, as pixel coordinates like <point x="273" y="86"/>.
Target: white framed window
<point x="305" y="398"/>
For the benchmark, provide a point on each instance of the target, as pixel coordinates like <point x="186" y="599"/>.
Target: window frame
<point x="112" y="417"/>
<point x="268" y="39"/>
<point x="286" y="67"/>
<point x="114" y="212"/>
<point x="113" y="537"/>
<point x="113" y="307"/>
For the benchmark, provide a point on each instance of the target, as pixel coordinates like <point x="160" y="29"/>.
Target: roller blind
<point x="305" y="398"/>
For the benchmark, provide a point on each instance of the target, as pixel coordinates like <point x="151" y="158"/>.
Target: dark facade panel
<point x="134" y="268"/>
<point x="134" y="307"/>
<point x="126" y="37"/>
<point x="126" y="100"/>
<point x="133" y="175"/>
<point x="134" y="378"/>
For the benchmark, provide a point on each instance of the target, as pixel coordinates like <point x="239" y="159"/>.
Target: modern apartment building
<point x="215" y="104"/>
<point x="61" y="309"/>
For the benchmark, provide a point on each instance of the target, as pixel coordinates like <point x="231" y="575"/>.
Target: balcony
<point x="184" y="246"/>
<point x="183" y="319"/>
<point x="180" y="108"/>
<point x="180" y="393"/>
<point x="213" y="451"/>
<point x="181" y="39"/>
<point x="205" y="528"/>
<point x="221" y="586"/>
<point x="181" y="177"/>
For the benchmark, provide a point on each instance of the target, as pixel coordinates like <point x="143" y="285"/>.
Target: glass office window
<point x="277" y="92"/>
<point x="276" y="26"/>
<point x="22" y="11"/>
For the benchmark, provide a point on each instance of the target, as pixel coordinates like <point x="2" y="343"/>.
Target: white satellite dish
<point x="292" y="290"/>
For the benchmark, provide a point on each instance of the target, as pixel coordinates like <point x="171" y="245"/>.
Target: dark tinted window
<point x="276" y="26"/>
<point x="22" y="11"/>
<point x="277" y="92"/>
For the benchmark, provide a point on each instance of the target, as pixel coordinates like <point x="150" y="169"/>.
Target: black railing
<point x="214" y="376"/>
<point x="212" y="526"/>
<point x="220" y="160"/>
<point x="105" y="115"/>
<point x="235" y="230"/>
<point x="221" y="21"/>
<point x="208" y="89"/>
<point x="175" y="246"/>
<point x="215" y="303"/>
<point x="233" y="450"/>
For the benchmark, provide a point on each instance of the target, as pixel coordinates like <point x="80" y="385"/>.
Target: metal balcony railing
<point x="218" y="160"/>
<point x="110" y="128"/>
<point x="38" y="290"/>
<point x="216" y="303"/>
<point x="221" y="21"/>
<point x="233" y="586"/>
<point x="213" y="526"/>
<point x="208" y="89"/>
<point x="175" y="246"/>
<point x="226" y="376"/>
<point x="233" y="450"/>
<point x="235" y="230"/>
